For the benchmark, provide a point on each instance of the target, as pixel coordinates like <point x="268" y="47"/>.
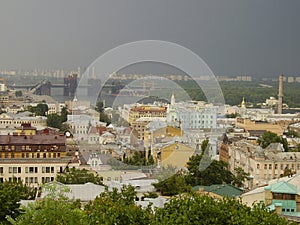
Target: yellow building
<point x="175" y="154"/>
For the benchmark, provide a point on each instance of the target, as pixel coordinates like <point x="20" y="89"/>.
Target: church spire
<point x="172" y="99"/>
<point x="243" y="104"/>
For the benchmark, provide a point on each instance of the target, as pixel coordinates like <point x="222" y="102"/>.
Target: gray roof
<point x="83" y="192"/>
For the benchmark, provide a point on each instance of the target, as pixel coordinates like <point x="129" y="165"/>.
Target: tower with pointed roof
<point x="243" y="104"/>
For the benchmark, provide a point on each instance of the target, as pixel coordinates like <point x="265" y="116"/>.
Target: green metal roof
<point x="282" y="187"/>
<point x="226" y="190"/>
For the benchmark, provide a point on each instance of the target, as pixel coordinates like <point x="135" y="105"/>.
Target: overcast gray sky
<point x="233" y="36"/>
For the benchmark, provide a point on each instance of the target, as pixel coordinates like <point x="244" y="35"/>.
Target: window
<point x="14" y="169"/>
<point x="1" y="169"/>
<point x="270" y="166"/>
<point x="277" y="196"/>
<point x="31" y="169"/>
<point x="276" y="166"/>
<point x="265" y="166"/>
<point x="281" y="166"/>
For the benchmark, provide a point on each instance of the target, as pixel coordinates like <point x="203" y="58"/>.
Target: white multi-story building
<point x="192" y="115"/>
<point x="80" y="125"/>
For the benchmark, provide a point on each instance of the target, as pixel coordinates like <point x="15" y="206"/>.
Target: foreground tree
<point x="195" y="209"/>
<point x="113" y="207"/>
<point x="202" y="171"/>
<point x="118" y="208"/>
<point x="174" y="185"/>
<point x="79" y="176"/>
<point x="11" y="192"/>
<point x="55" y="208"/>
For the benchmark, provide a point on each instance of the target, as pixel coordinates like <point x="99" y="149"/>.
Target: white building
<point x="80" y="125"/>
<point x="11" y="121"/>
<point x="192" y="115"/>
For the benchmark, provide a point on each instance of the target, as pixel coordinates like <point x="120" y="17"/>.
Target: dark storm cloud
<point x="233" y="37"/>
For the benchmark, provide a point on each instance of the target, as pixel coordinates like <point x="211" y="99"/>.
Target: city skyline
<point x="234" y="37"/>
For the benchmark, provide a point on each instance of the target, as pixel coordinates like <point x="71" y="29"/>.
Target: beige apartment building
<point x="146" y="111"/>
<point x="262" y="164"/>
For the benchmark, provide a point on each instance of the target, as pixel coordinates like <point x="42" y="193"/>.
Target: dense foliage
<point x="40" y="110"/>
<point x="11" y="192"/>
<point x="118" y="208"/>
<point x="55" y="208"/>
<point x="269" y="137"/>
<point x="201" y="171"/>
<point x="57" y="121"/>
<point x="254" y="92"/>
<point x="139" y="159"/>
<point x="215" y="172"/>
<point x="78" y="176"/>
<point x="195" y="209"/>
<point x="174" y="185"/>
<point x="103" y="116"/>
<point x="113" y="207"/>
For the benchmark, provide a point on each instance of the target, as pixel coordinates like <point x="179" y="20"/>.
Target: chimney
<point x="280" y="94"/>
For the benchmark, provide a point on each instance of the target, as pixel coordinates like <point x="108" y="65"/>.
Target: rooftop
<point x="226" y="190"/>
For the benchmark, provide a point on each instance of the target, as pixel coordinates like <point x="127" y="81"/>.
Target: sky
<point x="234" y="37"/>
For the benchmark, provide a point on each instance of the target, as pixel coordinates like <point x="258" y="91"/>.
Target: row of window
<point x="282" y="166"/>
<point x="29" y="180"/>
<point x="34" y="180"/>
<point x="30" y="169"/>
<point x="31" y="155"/>
<point x="25" y="148"/>
<point x="203" y="121"/>
<point x="18" y="122"/>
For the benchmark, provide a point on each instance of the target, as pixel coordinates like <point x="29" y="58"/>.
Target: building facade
<point x="33" y="157"/>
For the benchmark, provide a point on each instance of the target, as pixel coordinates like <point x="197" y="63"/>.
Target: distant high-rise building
<point x="70" y="83"/>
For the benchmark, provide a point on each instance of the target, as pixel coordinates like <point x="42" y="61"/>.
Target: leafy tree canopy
<point x="215" y="173"/>
<point x="55" y="208"/>
<point x="11" y="192"/>
<point x="196" y="209"/>
<point x="269" y="137"/>
<point x="174" y="185"/>
<point x="113" y="207"/>
<point x="40" y="110"/>
<point x="118" y="208"/>
<point x="78" y="176"/>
